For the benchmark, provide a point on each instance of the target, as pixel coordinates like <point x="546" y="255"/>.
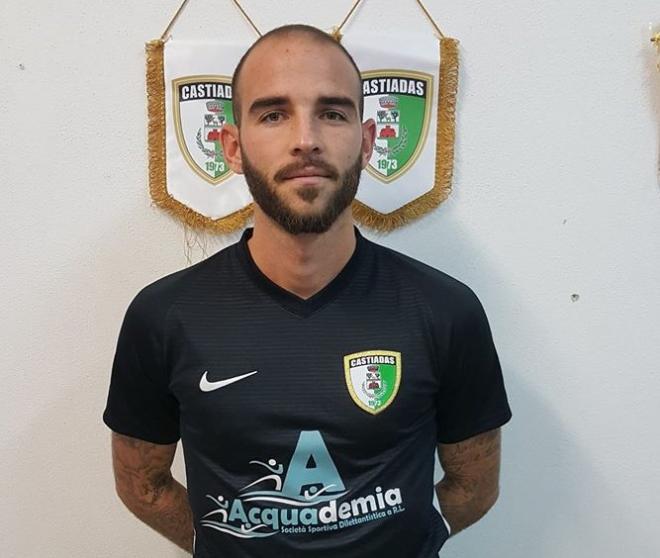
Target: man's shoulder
<point x="432" y="284"/>
<point x="156" y="298"/>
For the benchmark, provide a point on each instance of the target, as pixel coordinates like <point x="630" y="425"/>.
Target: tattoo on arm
<point x="145" y="484"/>
<point x="471" y="482"/>
<point x="142" y="469"/>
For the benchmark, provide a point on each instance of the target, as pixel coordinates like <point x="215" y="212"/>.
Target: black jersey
<point x="309" y="426"/>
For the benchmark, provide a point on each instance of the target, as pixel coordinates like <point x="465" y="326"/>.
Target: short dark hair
<point x="313" y="33"/>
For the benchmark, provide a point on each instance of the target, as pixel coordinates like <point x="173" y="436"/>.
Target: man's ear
<point x="229" y="136"/>
<point x="368" y="141"/>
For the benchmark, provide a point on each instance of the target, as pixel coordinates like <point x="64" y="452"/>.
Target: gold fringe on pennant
<point x="656" y="41"/>
<point x="157" y="160"/>
<point x="444" y="152"/>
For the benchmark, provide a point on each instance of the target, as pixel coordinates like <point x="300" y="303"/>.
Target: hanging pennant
<point x="188" y="105"/>
<point x="409" y="85"/>
<point x="189" y="100"/>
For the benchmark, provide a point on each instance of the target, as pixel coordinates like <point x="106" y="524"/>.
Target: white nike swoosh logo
<point x="205" y="385"/>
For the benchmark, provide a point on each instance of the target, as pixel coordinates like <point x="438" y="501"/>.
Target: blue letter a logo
<point x="312" y="474"/>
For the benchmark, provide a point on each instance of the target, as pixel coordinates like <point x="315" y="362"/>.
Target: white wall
<point x="556" y="193"/>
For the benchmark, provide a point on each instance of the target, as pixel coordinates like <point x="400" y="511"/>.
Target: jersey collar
<point x="293" y="303"/>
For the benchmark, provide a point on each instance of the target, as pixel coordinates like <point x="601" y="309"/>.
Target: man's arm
<point x="471" y="483"/>
<point x="144" y="483"/>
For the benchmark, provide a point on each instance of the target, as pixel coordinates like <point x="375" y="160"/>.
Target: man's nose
<point x="305" y="136"/>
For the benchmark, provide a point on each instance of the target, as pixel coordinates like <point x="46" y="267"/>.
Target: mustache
<point x="300" y="165"/>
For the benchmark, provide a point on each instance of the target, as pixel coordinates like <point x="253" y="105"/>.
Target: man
<point x="310" y="373"/>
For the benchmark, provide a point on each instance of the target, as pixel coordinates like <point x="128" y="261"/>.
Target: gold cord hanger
<point x="337" y="34"/>
<point x="184" y="4"/>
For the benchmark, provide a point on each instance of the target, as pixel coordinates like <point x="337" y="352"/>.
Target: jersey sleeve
<point x="472" y="397"/>
<point x="139" y="402"/>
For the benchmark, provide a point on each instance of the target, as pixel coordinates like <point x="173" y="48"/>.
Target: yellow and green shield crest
<point x="201" y="107"/>
<point x="399" y="101"/>
<point x="373" y="378"/>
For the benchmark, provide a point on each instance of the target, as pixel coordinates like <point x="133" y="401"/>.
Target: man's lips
<point x="307" y="172"/>
<point x="310" y="170"/>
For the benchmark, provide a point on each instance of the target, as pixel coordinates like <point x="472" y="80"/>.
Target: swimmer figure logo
<point x="306" y="500"/>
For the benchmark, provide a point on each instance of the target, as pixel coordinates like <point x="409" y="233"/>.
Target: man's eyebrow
<point x="338" y="102"/>
<point x="266" y="102"/>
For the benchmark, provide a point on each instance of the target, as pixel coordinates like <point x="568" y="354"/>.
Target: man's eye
<point x="272" y="117"/>
<point x="333" y="115"/>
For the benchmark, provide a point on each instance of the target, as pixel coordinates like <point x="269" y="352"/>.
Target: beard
<point x="266" y="196"/>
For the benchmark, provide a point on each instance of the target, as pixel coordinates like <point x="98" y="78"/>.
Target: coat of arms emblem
<point x="373" y="378"/>
<point x="400" y="103"/>
<point x="202" y="106"/>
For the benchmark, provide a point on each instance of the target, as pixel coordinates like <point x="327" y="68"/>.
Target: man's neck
<point x="301" y="264"/>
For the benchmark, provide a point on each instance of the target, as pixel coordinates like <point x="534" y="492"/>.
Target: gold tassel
<point x="444" y="153"/>
<point x="336" y="34"/>
<point x="656" y="41"/>
<point x="157" y="161"/>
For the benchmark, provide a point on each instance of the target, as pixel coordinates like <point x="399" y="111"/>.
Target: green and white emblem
<point x="202" y="106"/>
<point x="373" y="378"/>
<point x="400" y="103"/>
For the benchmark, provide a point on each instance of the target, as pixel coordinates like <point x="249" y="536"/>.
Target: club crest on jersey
<point x="202" y="106"/>
<point x="373" y="378"/>
<point x="400" y="103"/>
